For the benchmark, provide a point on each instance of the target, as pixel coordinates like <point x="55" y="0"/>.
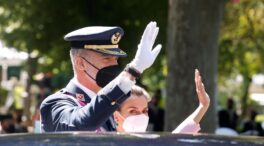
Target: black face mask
<point x="104" y="75"/>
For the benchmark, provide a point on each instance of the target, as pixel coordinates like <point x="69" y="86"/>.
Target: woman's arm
<point x="191" y="124"/>
<point x="204" y="100"/>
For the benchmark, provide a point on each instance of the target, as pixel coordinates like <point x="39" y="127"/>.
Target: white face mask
<point x="136" y="123"/>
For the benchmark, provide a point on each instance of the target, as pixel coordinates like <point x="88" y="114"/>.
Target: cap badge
<point x="116" y="38"/>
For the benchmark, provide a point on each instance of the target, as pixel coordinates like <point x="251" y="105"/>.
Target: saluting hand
<point x="145" y="55"/>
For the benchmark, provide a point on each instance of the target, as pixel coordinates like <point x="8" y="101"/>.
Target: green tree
<point x="241" y="45"/>
<point x="38" y="27"/>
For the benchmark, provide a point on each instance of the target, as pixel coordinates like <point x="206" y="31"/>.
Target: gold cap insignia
<point x="116" y="38"/>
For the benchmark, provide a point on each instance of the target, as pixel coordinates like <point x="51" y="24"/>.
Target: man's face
<point x="88" y="63"/>
<point x="99" y="60"/>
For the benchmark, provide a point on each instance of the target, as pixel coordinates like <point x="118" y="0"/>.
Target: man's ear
<point x="79" y="63"/>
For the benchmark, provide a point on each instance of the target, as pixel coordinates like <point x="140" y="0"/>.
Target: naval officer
<point x="99" y="86"/>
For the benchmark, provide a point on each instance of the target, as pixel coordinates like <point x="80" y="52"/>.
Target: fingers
<point x="153" y="26"/>
<point x="196" y="77"/>
<point x="149" y="29"/>
<point x="156" y="50"/>
<point x="150" y="32"/>
<point x="198" y="82"/>
<point x="200" y="89"/>
<point x="154" y="36"/>
<point x="146" y="31"/>
<point x="154" y="31"/>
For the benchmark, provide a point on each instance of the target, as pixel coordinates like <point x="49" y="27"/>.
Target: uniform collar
<point x="89" y="92"/>
<point x="78" y="92"/>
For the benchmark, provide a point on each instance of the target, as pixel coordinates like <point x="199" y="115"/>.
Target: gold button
<point x="113" y="103"/>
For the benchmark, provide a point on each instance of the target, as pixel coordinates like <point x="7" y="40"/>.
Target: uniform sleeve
<point x="94" y="114"/>
<point x="187" y="126"/>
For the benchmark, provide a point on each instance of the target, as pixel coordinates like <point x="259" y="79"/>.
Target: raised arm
<point x="191" y="123"/>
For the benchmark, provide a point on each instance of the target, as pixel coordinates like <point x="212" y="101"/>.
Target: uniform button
<point x="113" y="103"/>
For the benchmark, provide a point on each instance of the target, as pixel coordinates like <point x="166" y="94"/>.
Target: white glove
<point x="145" y="55"/>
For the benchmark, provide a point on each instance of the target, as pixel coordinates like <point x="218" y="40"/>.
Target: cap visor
<point x="113" y="51"/>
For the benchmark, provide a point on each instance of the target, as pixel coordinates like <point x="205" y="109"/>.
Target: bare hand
<point x="203" y="97"/>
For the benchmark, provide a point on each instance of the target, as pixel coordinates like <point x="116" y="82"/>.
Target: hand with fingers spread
<point x="145" y="55"/>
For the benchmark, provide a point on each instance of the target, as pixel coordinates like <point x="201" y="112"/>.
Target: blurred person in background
<point x="7" y="124"/>
<point x="156" y="113"/>
<point x="231" y="114"/>
<point x="44" y="92"/>
<point x="10" y="86"/>
<point x="20" y="126"/>
<point x="19" y="92"/>
<point x="231" y="109"/>
<point x="224" y="124"/>
<point x="252" y="127"/>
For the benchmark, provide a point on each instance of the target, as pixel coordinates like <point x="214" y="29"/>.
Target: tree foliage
<point x="38" y="26"/>
<point x="241" y="45"/>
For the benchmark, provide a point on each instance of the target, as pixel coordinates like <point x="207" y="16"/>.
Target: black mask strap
<point x="90" y="63"/>
<point x="89" y="75"/>
<point x="92" y="66"/>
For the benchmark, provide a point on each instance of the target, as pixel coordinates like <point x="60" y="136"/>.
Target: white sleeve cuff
<point x="125" y="84"/>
